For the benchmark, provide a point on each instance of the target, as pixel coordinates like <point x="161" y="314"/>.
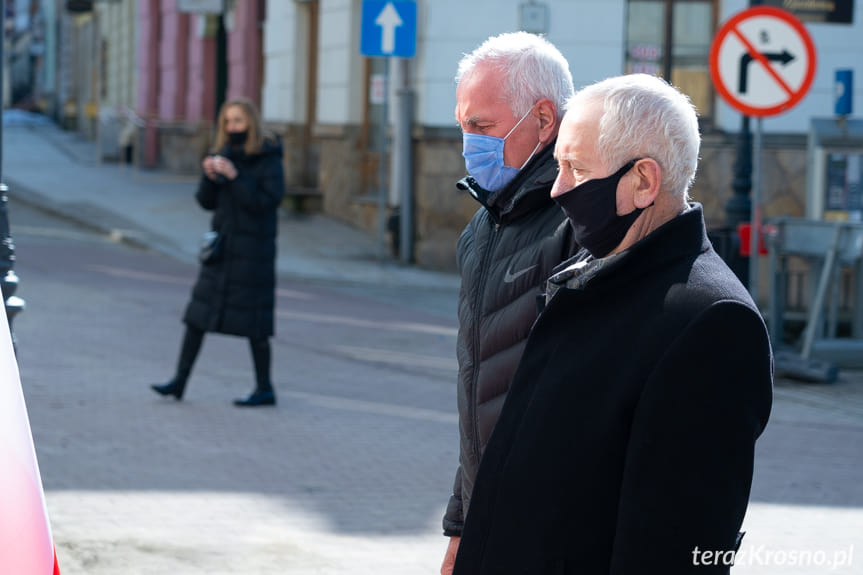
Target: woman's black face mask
<point x="238" y="139"/>
<point x="592" y="210"/>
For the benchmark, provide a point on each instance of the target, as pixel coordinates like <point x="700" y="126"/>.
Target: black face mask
<point x="237" y="139"/>
<point x="592" y="210"/>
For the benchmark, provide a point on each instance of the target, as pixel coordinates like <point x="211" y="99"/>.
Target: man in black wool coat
<point x="626" y="443"/>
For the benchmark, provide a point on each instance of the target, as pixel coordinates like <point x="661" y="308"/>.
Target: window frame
<point x="706" y="118"/>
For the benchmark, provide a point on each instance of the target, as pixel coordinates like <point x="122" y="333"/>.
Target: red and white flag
<point x="26" y="545"/>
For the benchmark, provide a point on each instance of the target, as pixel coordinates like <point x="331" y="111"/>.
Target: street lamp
<point x="8" y="279"/>
<point x="738" y="210"/>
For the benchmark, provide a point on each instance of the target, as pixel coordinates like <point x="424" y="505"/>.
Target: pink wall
<point x="148" y="58"/>
<point x="244" y="53"/>
<point x="148" y="75"/>
<point x="173" y="69"/>
<point x="177" y="68"/>
<point x="200" y="96"/>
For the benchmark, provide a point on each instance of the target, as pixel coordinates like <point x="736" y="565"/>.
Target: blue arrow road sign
<point x="389" y="28"/>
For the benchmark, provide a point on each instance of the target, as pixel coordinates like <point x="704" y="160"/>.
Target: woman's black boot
<point x="258" y="398"/>
<point x="263" y="394"/>
<point x="192" y="340"/>
<point x="173" y="387"/>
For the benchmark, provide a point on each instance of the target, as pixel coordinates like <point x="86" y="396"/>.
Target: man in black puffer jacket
<point x="510" y="93"/>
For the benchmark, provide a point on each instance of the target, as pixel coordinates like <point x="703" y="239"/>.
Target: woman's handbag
<point x="211" y="248"/>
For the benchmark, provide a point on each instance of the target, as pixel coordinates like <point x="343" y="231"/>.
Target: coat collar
<point x="528" y="192"/>
<point x="683" y="236"/>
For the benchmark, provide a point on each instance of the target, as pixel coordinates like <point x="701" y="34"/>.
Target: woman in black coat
<point x="243" y="185"/>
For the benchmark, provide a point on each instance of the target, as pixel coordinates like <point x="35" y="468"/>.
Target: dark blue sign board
<point x="844" y="92"/>
<point x="389" y="28"/>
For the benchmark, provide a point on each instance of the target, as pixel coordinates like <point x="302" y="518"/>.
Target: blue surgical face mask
<point x="483" y="158"/>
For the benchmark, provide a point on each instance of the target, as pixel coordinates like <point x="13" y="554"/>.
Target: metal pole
<point x="404" y="151"/>
<point x="96" y="84"/>
<point x="755" y="224"/>
<point x="738" y="208"/>
<point x="382" y="168"/>
<point x="2" y="77"/>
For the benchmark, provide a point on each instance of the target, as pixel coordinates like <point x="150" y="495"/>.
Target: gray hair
<point x="645" y="117"/>
<point x="533" y="68"/>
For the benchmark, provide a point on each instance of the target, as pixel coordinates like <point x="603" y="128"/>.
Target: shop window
<point x="671" y="39"/>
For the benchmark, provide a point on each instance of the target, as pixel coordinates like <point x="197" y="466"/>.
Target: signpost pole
<point x="382" y="166"/>
<point x="388" y="30"/>
<point x="755" y="224"/>
<point x="403" y="160"/>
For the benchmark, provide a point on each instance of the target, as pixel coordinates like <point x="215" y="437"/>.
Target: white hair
<point x="645" y="117"/>
<point x="533" y="69"/>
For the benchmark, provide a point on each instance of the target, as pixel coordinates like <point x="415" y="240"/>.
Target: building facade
<point x="337" y="111"/>
<point x="191" y="57"/>
<point x="319" y="86"/>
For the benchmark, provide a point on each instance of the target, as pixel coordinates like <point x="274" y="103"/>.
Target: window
<point x="671" y="39"/>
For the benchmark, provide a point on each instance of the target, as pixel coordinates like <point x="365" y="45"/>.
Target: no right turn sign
<point x="762" y="61"/>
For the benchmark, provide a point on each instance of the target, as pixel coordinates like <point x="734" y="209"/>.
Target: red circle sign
<point x="762" y="61"/>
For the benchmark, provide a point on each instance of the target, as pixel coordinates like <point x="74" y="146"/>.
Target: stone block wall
<point x="442" y="211"/>
<point x="183" y="146"/>
<point x="783" y="176"/>
<point x="300" y="160"/>
<point x="347" y="177"/>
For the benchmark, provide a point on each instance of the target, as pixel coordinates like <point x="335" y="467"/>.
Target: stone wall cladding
<point x="442" y="211"/>
<point x="783" y="171"/>
<point x="300" y="160"/>
<point x="183" y="146"/>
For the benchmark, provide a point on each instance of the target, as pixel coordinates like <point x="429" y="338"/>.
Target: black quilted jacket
<point x="505" y="254"/>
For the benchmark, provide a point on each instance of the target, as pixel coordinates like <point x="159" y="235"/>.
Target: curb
<point x="97" y="219"/>
<point x="20" y="193"/>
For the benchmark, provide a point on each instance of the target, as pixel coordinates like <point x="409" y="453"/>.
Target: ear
<point x="648" y="182"/>
<point x="546" y="111"/>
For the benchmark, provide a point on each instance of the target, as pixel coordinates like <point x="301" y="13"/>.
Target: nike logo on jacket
<point x="511" y="277"/>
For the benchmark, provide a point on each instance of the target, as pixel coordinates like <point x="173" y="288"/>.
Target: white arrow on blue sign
<point x="389" y="28"/>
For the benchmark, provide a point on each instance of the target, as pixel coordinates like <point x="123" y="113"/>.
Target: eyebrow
<point x="475" y="120"/>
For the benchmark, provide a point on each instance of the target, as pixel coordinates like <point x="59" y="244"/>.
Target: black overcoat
<point x="236" y="295"/>
<point x="627" y="440"/>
